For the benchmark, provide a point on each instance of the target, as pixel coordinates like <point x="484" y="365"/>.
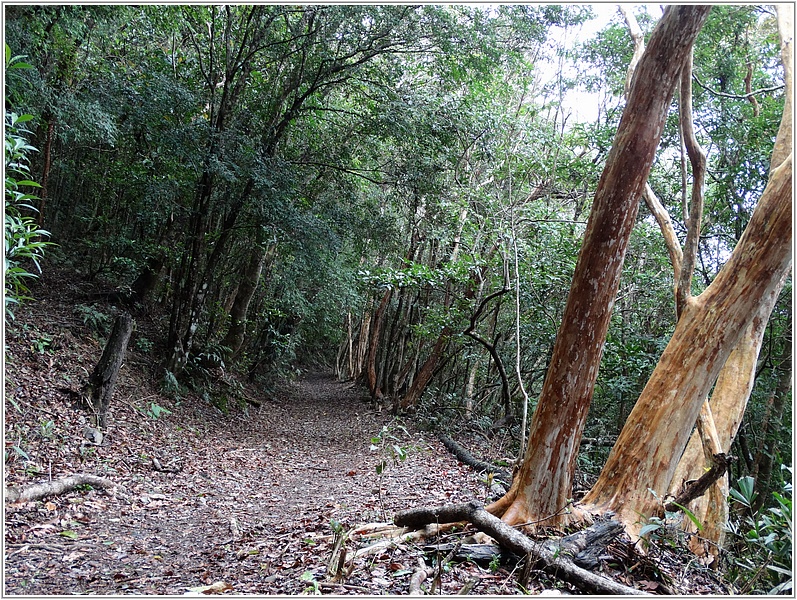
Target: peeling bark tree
<point x="728" y="403"/>
<point x="712" y="324"/>
<point x="718" y="421"/>
<point x="541" y="490"/>
<point x="717" y="338"/>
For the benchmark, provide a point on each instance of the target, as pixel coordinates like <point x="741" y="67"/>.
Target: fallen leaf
<point x="69" y="534"/>
<point x="649" y="585"/>
<point x="696" y="546"/>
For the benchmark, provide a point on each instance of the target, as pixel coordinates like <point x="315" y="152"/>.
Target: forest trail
<point x="252" y="505"/>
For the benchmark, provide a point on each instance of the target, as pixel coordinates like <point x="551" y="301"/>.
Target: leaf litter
<point x="287" y="498"/>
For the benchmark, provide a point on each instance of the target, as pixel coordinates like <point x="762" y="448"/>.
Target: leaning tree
<point x="541" y="490"/>
<point x="714" y="324"/>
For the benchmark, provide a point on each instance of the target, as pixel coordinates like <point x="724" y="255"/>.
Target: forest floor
<point x="255" y="498"/>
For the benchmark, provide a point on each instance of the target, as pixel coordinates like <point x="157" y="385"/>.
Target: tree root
<point x="60" y="486"/>
<point x="554" y="561"/>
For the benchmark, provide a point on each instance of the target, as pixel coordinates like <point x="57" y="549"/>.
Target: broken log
<point x="586" y="546"/>
<point x="583" y="547"/>
<point x="553" y="562"/>
<point x="38" y="491"/>
<point x="99" y="389"/>
<point x="483" y="554"/>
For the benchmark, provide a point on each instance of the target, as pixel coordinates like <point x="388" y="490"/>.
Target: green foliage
<point x="744" y="492"/>
<point x="46" y="429"/>
<point x="154" y="411"/>
<point x="761" y="559"/>
<point x="24" y="239"/>
<point x="313" y="588"/>
<point x="24" y="243"/>
<point x="144" y="345"/>
<point x="495" y="563"/>
<point x="386" y="444"/>
<point x="42" y="343"/>
<point x="96" y="320"/>
<point x="170" y="385"/>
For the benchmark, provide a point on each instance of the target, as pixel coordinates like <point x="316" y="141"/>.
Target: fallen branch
<point x="424" y="572"/>
<point x="467" y="458"/>
<point x="402" y="535"/>
<point x="418" y="577"/>
<point x="587" y="545"/>
<point x="697" y="488"/>
<point x="553" y="562"/>
<point x="59" y="486"/>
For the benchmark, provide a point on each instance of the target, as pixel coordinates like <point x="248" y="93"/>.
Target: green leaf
<point x="21" y="452"/>
<point x="24" y="118"/>
<point x="650" y="527"/>
<point x="691" y="516"/>
<point x="68" y="533"/>
<point x="736" y="495"/>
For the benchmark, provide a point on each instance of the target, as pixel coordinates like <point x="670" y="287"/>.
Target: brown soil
<point x="257" y="492"/>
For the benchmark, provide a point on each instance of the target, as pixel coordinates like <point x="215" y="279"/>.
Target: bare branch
<point x="746" y="96"/>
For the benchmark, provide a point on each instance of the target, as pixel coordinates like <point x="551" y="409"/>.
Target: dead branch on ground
<point x="60" y="486"/>
<point x="553" y="561"/>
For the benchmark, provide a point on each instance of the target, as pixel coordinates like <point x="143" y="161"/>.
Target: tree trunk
<point x="99" y="389"/>
<point x="712" y="325"/>
<point x="426" y="372"/>
<point x="728" y="403"/>
<point x="543" y="486"/>
<point x="765" y="455"/>
<point x="658" y="428"/>
<point x="247" y="286"/>
<point x="375" y="334"/>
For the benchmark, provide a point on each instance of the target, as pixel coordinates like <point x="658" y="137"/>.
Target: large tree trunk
<point x="647" y="451"/>
<point x="716" y="331"/>
<point x="541" y="490"/>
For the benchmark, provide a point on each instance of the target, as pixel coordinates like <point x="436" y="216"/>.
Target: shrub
<point x="25" y="243"/>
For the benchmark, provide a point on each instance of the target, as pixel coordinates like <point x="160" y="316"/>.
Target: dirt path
<point x="253" y="503"/>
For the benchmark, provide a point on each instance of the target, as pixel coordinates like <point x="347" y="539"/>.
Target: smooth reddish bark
<point x="543" y="485"/>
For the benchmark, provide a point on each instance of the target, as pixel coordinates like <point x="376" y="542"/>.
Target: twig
<point x="774" y="88"/>
<point x="345" y="586"/>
